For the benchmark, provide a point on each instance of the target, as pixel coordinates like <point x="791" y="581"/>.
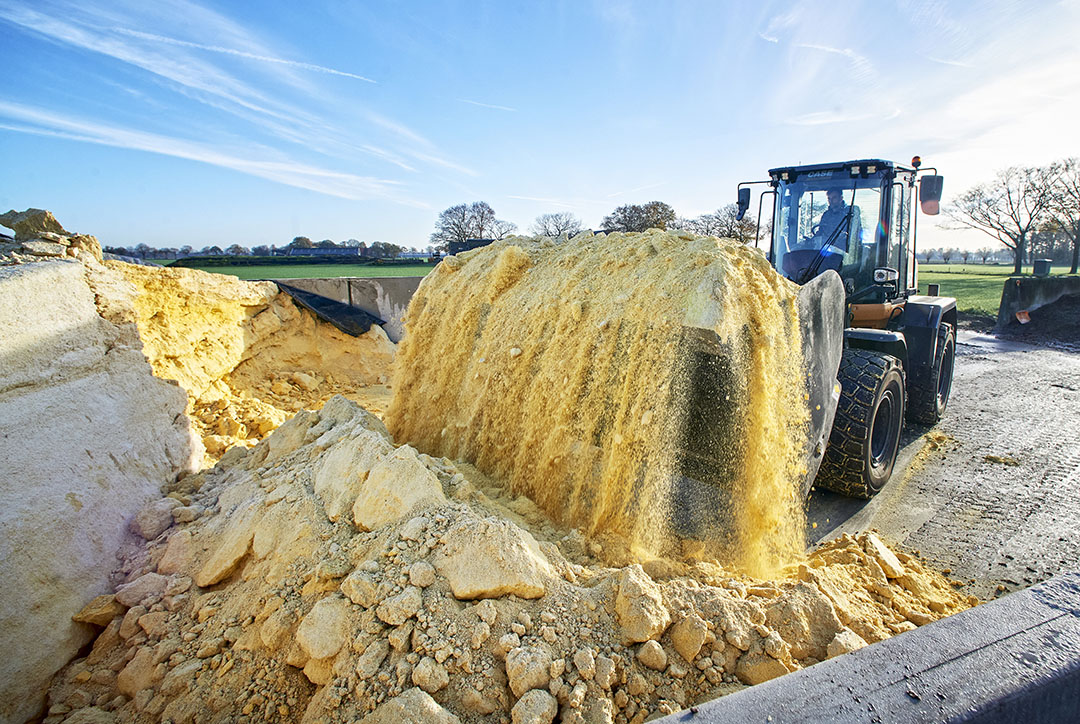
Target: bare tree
<point x="947" y="254"/>
<point x="928" y="254"/>
<point x="1066" y="205"/>
<point x="483" y="219"/>
<point x="469" y="221"/>
<point x="501" y="229"/>
<point x="640" y="217"/>
<point x="985" y="253"/>
<point x="731" y="227"/>
<point x="1010" y="207"/>
<point x="965" y="255"/>
<point x="722" y="223"/>
<point x="555" y="225"/>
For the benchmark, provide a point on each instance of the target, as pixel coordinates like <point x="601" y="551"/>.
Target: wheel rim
<point x="883" y="435"/>
<point x="944" y="387"/>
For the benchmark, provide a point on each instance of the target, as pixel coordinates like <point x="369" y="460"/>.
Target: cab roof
<point x="879" y="163"/>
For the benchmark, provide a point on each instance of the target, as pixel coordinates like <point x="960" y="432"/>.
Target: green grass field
<point x="977" y="288"/>
<point x="317" y="271"/>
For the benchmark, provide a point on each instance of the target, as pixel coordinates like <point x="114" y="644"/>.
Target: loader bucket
<point x="713" y="440"/>
<point x="635" y="386"/>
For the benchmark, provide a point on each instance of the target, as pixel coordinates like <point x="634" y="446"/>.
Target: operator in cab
<point x="828" y="243"/>
<point x="834" y="217"/>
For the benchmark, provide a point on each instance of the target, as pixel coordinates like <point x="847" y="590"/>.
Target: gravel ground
<point x="992" y="493"/>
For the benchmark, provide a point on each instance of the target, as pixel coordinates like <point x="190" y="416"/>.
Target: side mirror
<point x="930" y="194"/>
<point x="744" y="202"/>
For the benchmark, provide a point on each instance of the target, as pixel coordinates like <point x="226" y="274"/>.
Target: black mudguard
<point x="919" y="324"/>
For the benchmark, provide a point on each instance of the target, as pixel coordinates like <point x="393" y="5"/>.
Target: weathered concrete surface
<point x="1030" y="293"/>
<point x="1015" y="659"/>
<point x="992" y="493"/>
<point x="87" y="436"/>
<point x="385" y="297"/>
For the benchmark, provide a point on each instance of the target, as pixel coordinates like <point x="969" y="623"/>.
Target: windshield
<point x="827" y="223"/>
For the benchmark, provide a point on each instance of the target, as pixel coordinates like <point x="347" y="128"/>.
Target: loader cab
<point x="853" y="217"/>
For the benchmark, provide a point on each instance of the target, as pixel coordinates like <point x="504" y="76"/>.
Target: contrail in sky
<point x="488" y="105"/>
<point x="240" y="54"/>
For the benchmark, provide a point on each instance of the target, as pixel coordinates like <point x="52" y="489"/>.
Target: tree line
<point x="478" y="220"/>
<point x="1030" y="210"/>
<point x="377" y="249"/>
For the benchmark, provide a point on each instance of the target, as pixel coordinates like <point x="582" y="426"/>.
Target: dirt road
<point x="992" y="492"/>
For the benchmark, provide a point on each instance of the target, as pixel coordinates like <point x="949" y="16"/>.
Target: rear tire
<point x="866" y="432"/>
<point x="927" y="403"/>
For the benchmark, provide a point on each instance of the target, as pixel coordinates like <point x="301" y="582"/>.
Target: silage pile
<point x="326" y="575"/>
<point x="247" y="356"/>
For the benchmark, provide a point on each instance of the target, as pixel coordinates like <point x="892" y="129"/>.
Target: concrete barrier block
<point x="1030" y="293"/>
<point x="1014" y="659"/>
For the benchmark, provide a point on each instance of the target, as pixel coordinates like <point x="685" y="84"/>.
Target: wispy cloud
<point x="175" y="64"/>
<point x="387" y="156"/>
<point x="186" y="72"/>
<point x="240" y="54"/>
<point x="955" y="63"/>
<point x="861" y="65"/>
<point x="440" y="161"/>
<point x="488" y="105"/>
<point x="280" y="170"/>
<point x="398" y="129"/>
<point x="779" y="23"/>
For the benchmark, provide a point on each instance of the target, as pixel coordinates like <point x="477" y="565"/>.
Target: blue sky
<point x="178" y="122"/>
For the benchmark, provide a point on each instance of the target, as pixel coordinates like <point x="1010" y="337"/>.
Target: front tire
<point x="866" y="432"/>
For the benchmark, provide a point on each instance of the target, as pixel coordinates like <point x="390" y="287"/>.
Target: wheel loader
<point x="664" y="382"/>
<point x="847" y="230"/>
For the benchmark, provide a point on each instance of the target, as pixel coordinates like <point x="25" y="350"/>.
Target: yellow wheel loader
<point x="851" y="226"/>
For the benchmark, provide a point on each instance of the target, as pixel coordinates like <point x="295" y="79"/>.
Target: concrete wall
<point x="1029" y="293"/>
<point x="385" y="297"/>
<point x="87" y="436"/>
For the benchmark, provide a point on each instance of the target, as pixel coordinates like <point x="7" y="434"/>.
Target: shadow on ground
<point x="827" y="511"/>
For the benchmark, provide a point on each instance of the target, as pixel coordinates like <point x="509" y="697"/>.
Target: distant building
<point x="456" y="247"/>
<point x="336" y="251"/>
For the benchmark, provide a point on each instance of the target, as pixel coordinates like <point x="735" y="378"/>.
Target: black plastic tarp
<point x="350" y="320"/>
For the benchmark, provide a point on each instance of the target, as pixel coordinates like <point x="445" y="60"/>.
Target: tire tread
<point x="842" y="469"/>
